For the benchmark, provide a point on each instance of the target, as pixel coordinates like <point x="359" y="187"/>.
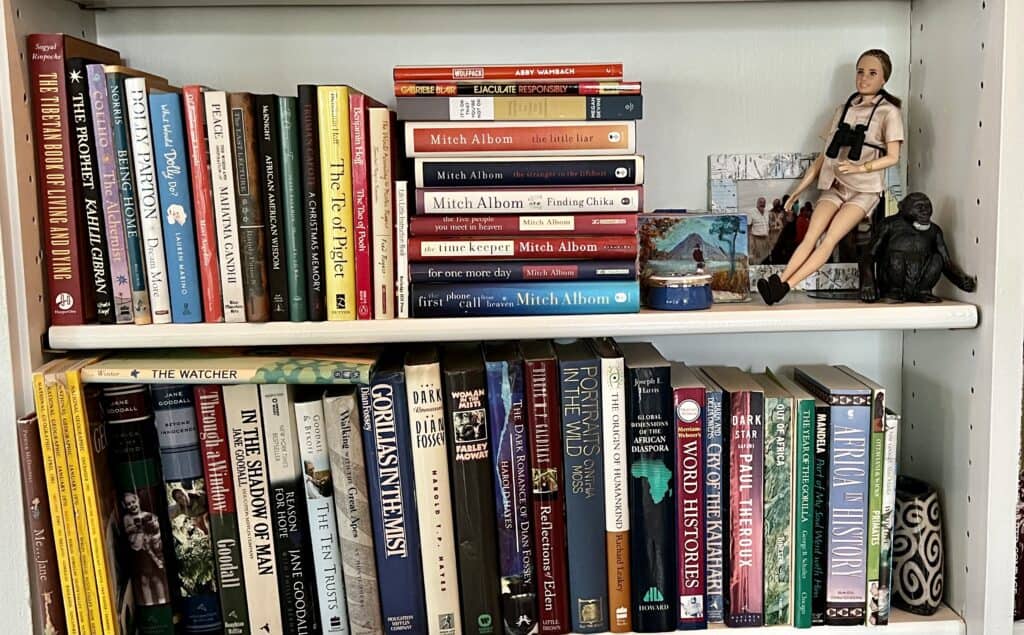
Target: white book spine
<point x="402" y="248"/>
<point x="382" y="207"/>
<point x="530" y="200"/>
<point x="137" y="104"/>
<point x="222" y="180"/>
<point x="892" y="428"/>
<point x="433" y="498"/>
<point x="323" y="527"/>
<point x="616" y="482"/>
<point x="252" y="503"/>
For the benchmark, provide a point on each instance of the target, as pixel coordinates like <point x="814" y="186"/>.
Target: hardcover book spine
<point x="892" y="426"/>
<point x="652" y="493"/>
<point x="110" y="195"/>
<point x="617" y="493"/>
<point x="295" y="578"/>
<point x="69" y="303"/>
<point x="584" y="500"/>
<point x="402" y="300"/>
<point x="533" y="298"/>
<point x="223" y="518"/>
<point x="778" y="507"/>
<point x="312" y="208"/>
<point x="511" y="466"/>
<point x="746" y="514"/>
<point x="251" y="225"/>
<point x="176" y="207"/>
<point x="185" y="487"/>
<point x="615" y="224"/>
<point x="715" y="506"/>
<point x="526" y="138"/>
<point x="149" y="199"/>
<point x="509" y="72"/>
<point x="387" y="445"/>
<point x="819" y="566"/>
<point x="268" y="149"/>
<point x="382" y="208"/>
<point x="543" y="412"/>
<point x="433" y="496"/>
<point x="255" y="522"/>
<point x="126" y="187"/>
<point x="451" y="89"/>
<point x="323" y="525"/>
<point x="134" y="462"/>
<point x="47" y="598"/>
<point x="202" y="203"/>
<point x="84" y="171"/>
<point x="523" y="248"/>
<point x="222" y="181"/>
<point x="552" y="200"/>
<point x="336" y="183"/>
<point x="689" y="417"/>
<point x="521" y="108"/>
<point x="456" y="272"/>
<point x="361" y="232"/>
<point x="803" y="535"/>
<point x="477" y="172"/>
<point x="291" y="200"/>
<point x="345" y="447"/>
<point x="876" y="469"/>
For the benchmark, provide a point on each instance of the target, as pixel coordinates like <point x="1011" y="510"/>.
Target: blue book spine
<point x="176" y="207"/>
<point x="396" y="532"/>
<point x="532" y="298"/>
<point x="584" y="497"/>
<point x="536" y="271"/>
<point x="178" y="434"/>
<point x="714" y="506"/>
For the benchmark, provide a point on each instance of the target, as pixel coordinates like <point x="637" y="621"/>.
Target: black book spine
<point x="83" y="168"/>
<point x="652" y="530"/>
<point x="819" y="553"/>
<point x="268" y="147"/>
<point x="500" y="173"/>
<point x="309" y="145"/>
<point x="469" y="458"/>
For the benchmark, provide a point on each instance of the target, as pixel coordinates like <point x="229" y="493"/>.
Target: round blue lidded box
<point x="687" y="292"/>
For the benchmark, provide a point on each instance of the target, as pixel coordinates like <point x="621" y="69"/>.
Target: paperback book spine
<point x="224" y="535"/>
<point x="548" y="200"/>
<point x="528" y="298"/>
<point x="521" y="108"/>
<point x="85" y="174"/>
<point x="522" y="248"/>
<point x="383" y="212"/>
<point x="529" y="171"/>
<point x="323" y="526"/>
<point x="652" y="494"/>
<point x="746" y="514"/>
<point x="345" y="447"/>
<point x="291" y="200"/>
<point x="149" y="200"/>
<point x="617" y="492"/>
<point x="312" y="209"/>
<point x="511" y="271"/>
<point x="247" y="444"/>
<point x="543" y="412"/>
<point x="892" y="426"/>
<point x="778" y="504"/>
<point x="185" y="487"/>
<point x="511" y="467"/>
<point x="451" y="89"/>
<point x="222" y="181"/>
<point x="202" y="203"/>
<point x="129" y="200"/>
<point x="402" y="300"/>
<point x="295" y="578"/>
<point x="524" y="138"/>
<point x="819" y="566"/>
<point x="515" y="225"/>
<point x="509" y="72"/>
<point x="387" y="443"/>
<point x="715" y="505"/>
<point x="876" y="468"/>
<point x="336" y="183"/>
<point x="803" y="535"/>
<point x="268" y="149"/>
<point x="689" y="412"/>
<point x="176" y="206"/>
<point x="361" y="230"/>
<point x="117" y="249"/>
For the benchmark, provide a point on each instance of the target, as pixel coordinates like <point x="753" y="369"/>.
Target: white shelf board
<point x="943" y="622"/>
<point x="142" y="4"/>
<point x="796" y="314"/>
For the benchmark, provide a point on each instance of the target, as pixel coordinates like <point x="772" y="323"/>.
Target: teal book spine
<point x="803" y="531"/>
<point x="291" y="200"/>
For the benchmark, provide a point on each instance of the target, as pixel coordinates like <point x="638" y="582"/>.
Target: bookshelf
<point x="718" y="77"/>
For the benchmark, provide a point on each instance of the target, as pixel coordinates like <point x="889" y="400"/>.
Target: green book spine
<point x="778" y="467"/>
<point x="875" y="478"/>
<point x="803" y="543"/>
<point x="291" y="199"/>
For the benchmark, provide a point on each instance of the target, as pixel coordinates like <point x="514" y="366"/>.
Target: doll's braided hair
<point x="886" y="62"/>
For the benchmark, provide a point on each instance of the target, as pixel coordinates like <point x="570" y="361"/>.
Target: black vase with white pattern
<point x="918" y="554"/>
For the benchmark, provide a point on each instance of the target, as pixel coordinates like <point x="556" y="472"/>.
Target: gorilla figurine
<point x="910" y="255"/>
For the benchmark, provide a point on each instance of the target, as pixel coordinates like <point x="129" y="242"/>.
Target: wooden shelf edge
<point x="800" y="314"/>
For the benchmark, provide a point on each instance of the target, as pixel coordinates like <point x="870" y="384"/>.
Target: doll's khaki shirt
<point x="886" y="126"/>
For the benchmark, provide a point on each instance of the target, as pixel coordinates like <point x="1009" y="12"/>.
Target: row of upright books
<point x="514" y="487"/>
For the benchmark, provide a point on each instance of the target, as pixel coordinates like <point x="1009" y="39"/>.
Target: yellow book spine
<point x="95" y="527"/>
<point x="47" y="435"/>
<point x="336" y="182"/>
<point x="540" y="108"/>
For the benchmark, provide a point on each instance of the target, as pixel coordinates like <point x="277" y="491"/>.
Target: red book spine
<point x="361" y="206"/>
<point x="202" y="200"/>
<point x="543" y="419"/>
<point x="689" y="404"/>
<point x="509" y="72"/>
<point x="451" y="89"/>
<point x="746" y="513"/>
<point x="68" y="298"/>
<point x="518" y="248"/>
<point x="553" y="224"/>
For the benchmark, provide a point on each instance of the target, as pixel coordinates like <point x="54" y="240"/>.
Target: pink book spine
<point x="688" y="403"/>
<point x="361" y="206"/>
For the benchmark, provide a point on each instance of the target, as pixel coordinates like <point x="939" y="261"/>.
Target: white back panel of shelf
<point x="963" y="389"/>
